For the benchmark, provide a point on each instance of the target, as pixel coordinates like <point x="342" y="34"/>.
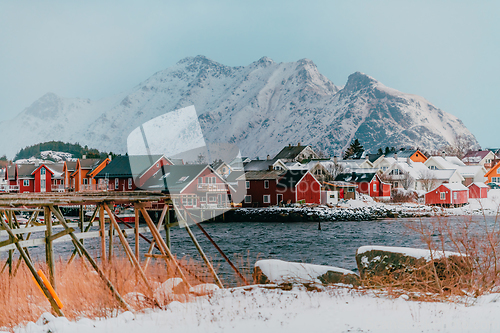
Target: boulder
<point x="169" y="289"/>
<point x="385" y="264"/>
<point x="282" y="273"/>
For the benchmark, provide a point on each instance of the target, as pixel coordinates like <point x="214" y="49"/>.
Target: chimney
<point x="353" y="175"/>
<point x="298" y="144"/>
<point x="84" y="157"/>
<point x="289" y="145"/>
<point x="396" y="156"/>
<point x="335" y="159"/>
<point x="270" y="168"/>
<point x="268" y="157"/>
<point x="367" y="157"/>
<point x="110" y="158"/>
<point x="443" y="154"/>
<point x="408" y="160"/>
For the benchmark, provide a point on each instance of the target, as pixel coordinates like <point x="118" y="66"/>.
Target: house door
<point x="279" y="198"/>
<point x="219" y="199"/>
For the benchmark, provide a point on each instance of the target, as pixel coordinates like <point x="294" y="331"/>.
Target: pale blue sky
<point x="445" y="51"/>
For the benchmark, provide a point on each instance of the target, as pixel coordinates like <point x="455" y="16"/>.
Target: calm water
<point x="335" y="244"/>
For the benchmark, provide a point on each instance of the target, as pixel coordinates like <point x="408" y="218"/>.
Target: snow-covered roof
<point x="471" y="170"/>
<point x="476" y="156"/>
<point x="447" y="162"/>
<point x="479" y="184"/>
<point x="443" y="174"/>
<point x="455" y="186"/>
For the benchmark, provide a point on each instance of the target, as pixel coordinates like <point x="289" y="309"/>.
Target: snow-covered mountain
<point x="260" y="107"/>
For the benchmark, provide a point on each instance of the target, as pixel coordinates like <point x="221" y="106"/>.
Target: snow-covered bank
<point x="264" y="310"/>
<point x="362" y="209"/>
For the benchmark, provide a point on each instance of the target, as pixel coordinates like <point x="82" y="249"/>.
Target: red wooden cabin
<point x="447" y="195"/>
<point x="478" y="190"/>
<point x="368" y="183"/>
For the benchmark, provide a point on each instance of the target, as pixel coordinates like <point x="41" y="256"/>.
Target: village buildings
<point x="296" y="174"/>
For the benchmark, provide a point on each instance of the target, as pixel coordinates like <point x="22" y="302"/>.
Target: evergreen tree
<point x="380" y="152"/>
<point x="353" y="149"/>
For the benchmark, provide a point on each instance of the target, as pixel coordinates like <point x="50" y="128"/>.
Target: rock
<point x="137" y="300"/>
<point x="166" y="291"/>
<point x="379" y="265"/>
<point x="286" y="273"/>
<point x="203" y="289"/>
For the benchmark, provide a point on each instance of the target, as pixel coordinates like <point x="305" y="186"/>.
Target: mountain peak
<point x="264" y="61"/>
<point x="358" y="81"/>
<point x="46" y="106"/>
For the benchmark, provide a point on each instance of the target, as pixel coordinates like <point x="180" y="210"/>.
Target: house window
<point x="248" y="198"/>
<point x="495" y="179"/>
<point x="200" y="180"/>
<point x="26" y="182"/>
<point x="455" y="196"/>
<point x="85" y="181"/>
<point x="374" y="187"/>
<point x="130" y="183"/>
<point x="212" y="199"/>
<point x="432" y="167"/>
<point x="203" y="199"/>
<point x="396" y="184"/>
<point x="42" y="185"/>
<point x="278" y="168"/>
<point x="213" y="180"/>
<point x="266" y="183"/>
<point x="42" y="171"/>
<point x="267" y="198"/>
<point x="176" y="202"/>
<point x="184" y="201"/>
<point x="442" y="196"/>
<point x="190" y="201"/>
<point x="117" y="183"/>
<point x="247" y="184"/>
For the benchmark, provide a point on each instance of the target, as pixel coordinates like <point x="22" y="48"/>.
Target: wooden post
<point x="151" y="246"/>
<point x="49" y="253"/>
<point x="11" y="252"/>
<point x="110" y="241"/>
<point x="136" y="233"/>
<point x="33" y="271"/>
<point x="161" y="244"/>
<point x="128" y="250"/>
<point x="82" y="217"/>
<point x="115" y="293"/>
<point x="200" y="250"/>
<point x="167" y="229"/>
<point x="103" y="233"/>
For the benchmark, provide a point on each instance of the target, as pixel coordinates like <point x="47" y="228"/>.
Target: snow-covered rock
<point x="173" y="289"/>
<point x="203" y="289"/>
<point x="260" y="107"/>
<point x="402" y="262"/>
<point x="283" y="272"/>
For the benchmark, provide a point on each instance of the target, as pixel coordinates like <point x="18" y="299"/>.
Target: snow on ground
<point x="264" y="310"/>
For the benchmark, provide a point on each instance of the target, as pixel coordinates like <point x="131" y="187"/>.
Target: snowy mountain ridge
<point x="260" y="107"/>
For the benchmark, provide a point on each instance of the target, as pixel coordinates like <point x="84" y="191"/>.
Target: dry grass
<point x="83" y="293"/>
<point x="475" y="273"/>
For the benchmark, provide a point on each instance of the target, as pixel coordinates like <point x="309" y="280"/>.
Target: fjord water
<point x="246" y="242"/>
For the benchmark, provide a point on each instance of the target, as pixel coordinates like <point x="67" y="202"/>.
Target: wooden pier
<point x="56" y="228"/>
